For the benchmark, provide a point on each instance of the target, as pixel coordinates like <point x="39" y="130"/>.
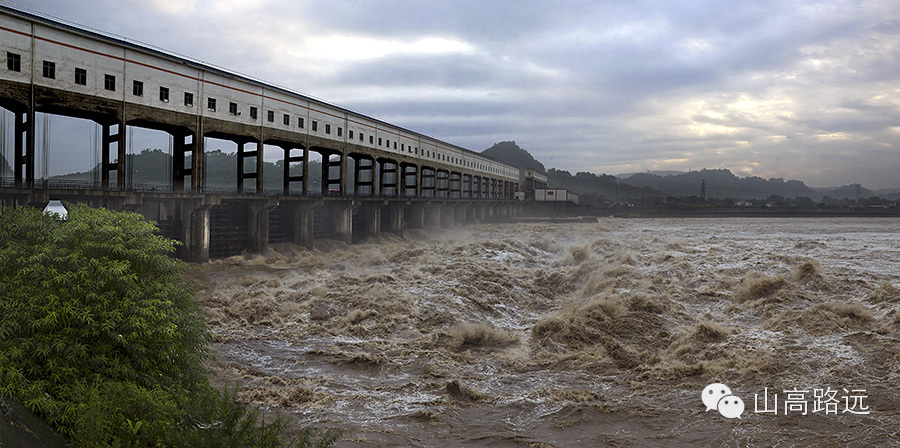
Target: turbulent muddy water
<point x="577" y="334"/>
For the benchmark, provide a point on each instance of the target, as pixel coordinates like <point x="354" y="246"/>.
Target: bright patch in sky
<point x="355" y="48"/>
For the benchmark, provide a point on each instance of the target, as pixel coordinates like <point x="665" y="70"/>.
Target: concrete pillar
<point x="342" y="219"/>
<point x="301" y="222"/>
<point x="415" y="215"/>
<point x="447" y="216"/>
<point x="104" y="155"/>
<point x="260" y="164"/>
<point x="198" y="153"/>
<point x="343" y="170"/>
<point x="180" y="148"/>
<point x="305" y="175"/>
<point x="396" y="211"/>
<point x="258" y="224"/>
<point x="195" y="228"/>
<point x="240" y="167"/>
<point x="371" y="218"/>
<point x="23" y="159"/>
<point x="433" y="215"/>
<point x="122" y="155"/>
<point x="418" y="175"/>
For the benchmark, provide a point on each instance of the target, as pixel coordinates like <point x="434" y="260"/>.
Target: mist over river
<point x="574" y="334"/>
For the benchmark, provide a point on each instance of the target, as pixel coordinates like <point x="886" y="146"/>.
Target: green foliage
<point x="100" y="335"/>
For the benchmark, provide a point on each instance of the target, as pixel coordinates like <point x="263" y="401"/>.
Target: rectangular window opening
<point x="109" y="82"/>
<point x="270" y="115"/>
<point x="164" y="94"/>
<point x="49" y="70"/>
<point x="300" y="121"/>
<point x="327" y="128"/>
<point x="315" y="126"/>
<point x="211" y="104"/>
<point x="254" y="113"/>
<point x="286" y="120"/>
<point x="137" y="89"/>
<point x="81" y="76"/>
<point x="13" y="62"/>
<point x="188" y="99"/>
<point x="232" y="108"/>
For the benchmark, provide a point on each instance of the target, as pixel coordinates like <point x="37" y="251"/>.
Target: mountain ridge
<point x="718" y="183"/>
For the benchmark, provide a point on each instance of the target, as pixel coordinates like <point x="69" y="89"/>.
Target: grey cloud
<point x="585" y="83"/>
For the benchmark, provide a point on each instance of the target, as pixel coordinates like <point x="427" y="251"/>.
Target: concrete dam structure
<point x="375" y="176"/>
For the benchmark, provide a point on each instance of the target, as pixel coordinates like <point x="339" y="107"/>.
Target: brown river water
<point x="574" y="334"/>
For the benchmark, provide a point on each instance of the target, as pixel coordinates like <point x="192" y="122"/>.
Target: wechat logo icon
<point x="719" y="397"/>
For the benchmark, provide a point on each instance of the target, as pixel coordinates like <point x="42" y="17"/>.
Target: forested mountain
<point x="722" y="184"/>
<point x="511" y="154"/>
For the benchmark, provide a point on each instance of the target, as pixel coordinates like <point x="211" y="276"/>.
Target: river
<point x="574" y="334"/>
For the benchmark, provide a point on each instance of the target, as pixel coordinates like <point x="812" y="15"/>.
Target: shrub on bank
<point x="99" y="334"/>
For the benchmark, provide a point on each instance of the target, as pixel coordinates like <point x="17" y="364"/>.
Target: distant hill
<point x="152" y="167"/>
<point x="658" y="173"/>
<point x="723" y="184"/>
<point x="511" y="154"/>
<point x="888" y="193"/>
<point x="847" y="191"/>
<point x="593" y="188"/>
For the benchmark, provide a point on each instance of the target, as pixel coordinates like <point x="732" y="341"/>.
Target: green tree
<point x="100" y="335"/>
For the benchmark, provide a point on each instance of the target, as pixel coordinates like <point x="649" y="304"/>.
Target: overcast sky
<point x="807" y="90"/>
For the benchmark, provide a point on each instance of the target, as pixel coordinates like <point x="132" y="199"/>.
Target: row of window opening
<point x="14" y="63"/>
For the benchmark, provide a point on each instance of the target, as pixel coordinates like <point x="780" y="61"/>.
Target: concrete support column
<point x="260" y="164"/>
<point x="305" y="188"/>
<point x="24" y="149"/>
<point x="396" y="212"/>
<point x="122" y="155"/>
<point x="195" y="229"/>
<point x="108" y="139"/>
<point x="468" y="215"/>
<point x="342" y="219"/>
<point x="301" y="222"/>
<point x="343" y="170"/>
<point x="416" y="215"/>
<point x="371" y="218"/>
<point x="180" y="149"/>
<point x="433" y="215"/>
<point x="448" y="216"/>
<point x="198" y="153"/>
<point x="258" y="224"/>
<point x="418" y="175"/>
